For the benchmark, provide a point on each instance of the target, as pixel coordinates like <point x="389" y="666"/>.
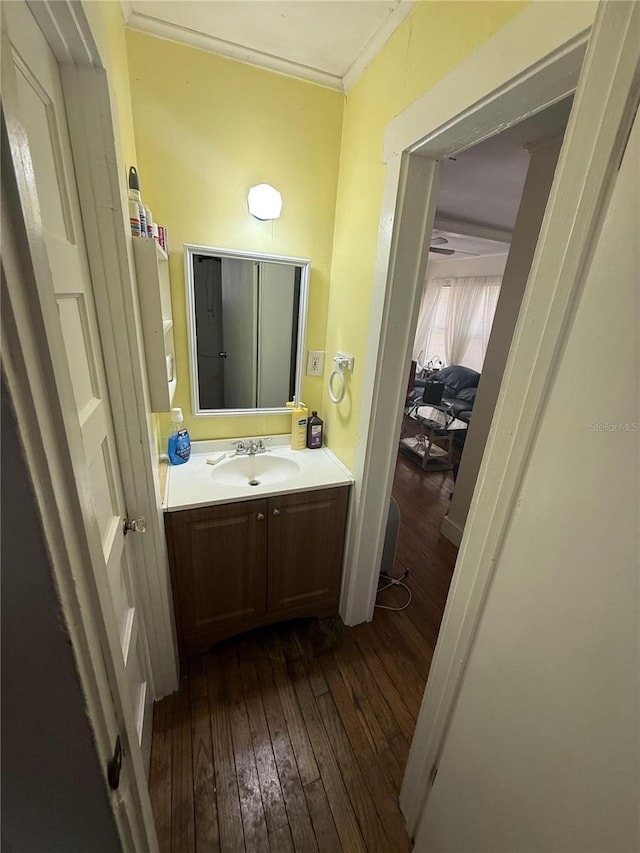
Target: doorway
<point x="472" y="292"/>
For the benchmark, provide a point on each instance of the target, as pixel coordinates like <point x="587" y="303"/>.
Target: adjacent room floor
<point x="296" y="737"/>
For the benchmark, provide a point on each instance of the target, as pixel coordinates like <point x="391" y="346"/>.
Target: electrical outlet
<point x="315" y="362"/>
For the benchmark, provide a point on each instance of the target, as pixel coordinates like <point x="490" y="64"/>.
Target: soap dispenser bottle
<point x="299" y="417"/>
<point x="315" y="426"/>
<point x="179" y="442"/>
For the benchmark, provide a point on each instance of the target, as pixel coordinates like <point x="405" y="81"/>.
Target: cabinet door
<point x="219" y="556"/>
<point x="306" y="542"/>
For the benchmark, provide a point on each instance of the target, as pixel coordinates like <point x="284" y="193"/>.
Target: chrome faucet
<point x="257" y="446"/>
<point x="250" y="447"/>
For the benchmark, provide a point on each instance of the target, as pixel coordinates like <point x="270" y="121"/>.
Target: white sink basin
<point x="263" y="469"/>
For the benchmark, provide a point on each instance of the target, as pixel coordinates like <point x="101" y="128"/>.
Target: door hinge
<point x="114" y="766"/>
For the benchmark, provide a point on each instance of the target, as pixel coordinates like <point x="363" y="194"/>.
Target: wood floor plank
<point x="323" y="823"/>
<point x="304" y="753"/>
<point x="352" y="740"/>
<point x="251" y="806"/>
<point x="311" y="656"/>
<point x="160" y="771"/>
<point x="296" y="805"/>
<point x="406" y="719"/>
<point x="197" y="679"/>
<point x="370" y="826"/>
<point x="388" y="721"/>
<point x="182" y="813"/>
<point x="272" y="798"/>
<point x="358" y="699"/>
<point x="207" y="836"/>
<point x="399" y="670"/>
<point x="228" y="799"/>
<point x="281" y="841"/>
<point x="339" y="802"/>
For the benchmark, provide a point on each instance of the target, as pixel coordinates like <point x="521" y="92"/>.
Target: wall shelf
<point x="154" y="293"/>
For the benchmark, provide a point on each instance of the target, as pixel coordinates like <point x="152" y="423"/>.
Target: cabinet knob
<point x="260" y="516"/>
<point x="276" y="512"/>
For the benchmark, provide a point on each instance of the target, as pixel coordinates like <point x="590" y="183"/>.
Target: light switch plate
<point x="315" y="362"/>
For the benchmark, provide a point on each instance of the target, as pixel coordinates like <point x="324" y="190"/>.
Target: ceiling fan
<point x="435" y="247"/>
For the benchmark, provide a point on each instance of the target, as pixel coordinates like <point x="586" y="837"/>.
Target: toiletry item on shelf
<point x="299" y="417"/>
<point x="134" y="195"/>
<point x="162" y="238"/>
<point x="315" y="428"/>
<point x="134" y="218"/>
<point x="179" y="441"/>
<point x="149" y="218"/>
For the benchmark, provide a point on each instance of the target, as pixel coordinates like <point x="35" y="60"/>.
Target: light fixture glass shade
<point x="265" y="202"/>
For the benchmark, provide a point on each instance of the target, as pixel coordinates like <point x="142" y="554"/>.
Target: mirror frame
<point x="190" y="251"/>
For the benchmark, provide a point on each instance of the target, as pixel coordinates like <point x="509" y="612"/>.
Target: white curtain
<point x="465" y="295"/>
<point x="487" y="309"/>
<point x="426" y="318"/>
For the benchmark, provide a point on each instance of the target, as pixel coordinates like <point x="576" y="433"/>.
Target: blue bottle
<point x="179" y="441"/>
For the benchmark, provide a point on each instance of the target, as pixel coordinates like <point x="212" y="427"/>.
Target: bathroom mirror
<point x="246" y="317"/>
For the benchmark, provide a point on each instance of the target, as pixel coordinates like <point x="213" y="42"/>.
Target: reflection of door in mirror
<point x="207" y="278"/>
<point x="240" y="310"/>
<point x="246" y="324"/>
<point x="278" y="311"/>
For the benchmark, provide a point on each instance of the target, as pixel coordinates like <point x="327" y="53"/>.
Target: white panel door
<point x="275" y="349"/>
<point x="239" y="318"/>
<point x="42" y="113"/>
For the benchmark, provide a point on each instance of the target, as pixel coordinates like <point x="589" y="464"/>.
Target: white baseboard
<point x="451" y="531"/>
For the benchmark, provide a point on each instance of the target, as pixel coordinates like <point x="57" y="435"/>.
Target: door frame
<point x="460" y="111"/>
<point x="100" y="176"/>
<point x="467" y="106"/>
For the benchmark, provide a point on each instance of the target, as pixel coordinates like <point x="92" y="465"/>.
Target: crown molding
<point x="377" y="42"/>
<point x="193" y="38"/>
<point x="174" y="32"/>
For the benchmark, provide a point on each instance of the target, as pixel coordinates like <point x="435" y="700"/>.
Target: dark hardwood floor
<point x="296" y="737"/>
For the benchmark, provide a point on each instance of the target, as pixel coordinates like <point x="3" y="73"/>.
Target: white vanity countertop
<point x="197" y="484"/>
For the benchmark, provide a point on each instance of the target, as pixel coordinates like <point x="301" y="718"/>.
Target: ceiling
<point x="465" y="246"/>
<point x="480" y="189"/>
<point x="326" y="41"/>
<point x="482" y="186"/>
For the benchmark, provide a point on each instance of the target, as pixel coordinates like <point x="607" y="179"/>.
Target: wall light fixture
<point x="265" y="202"/>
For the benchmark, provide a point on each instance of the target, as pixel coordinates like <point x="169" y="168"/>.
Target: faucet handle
<point x="240" y="446"/>
<point x="261" y="441"/>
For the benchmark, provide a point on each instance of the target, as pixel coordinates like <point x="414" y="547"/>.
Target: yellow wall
<point x="107" y="26"/>
<point x="434" y="38"/>
<point x="207" y="129"/>
<point x="113" y="50"/>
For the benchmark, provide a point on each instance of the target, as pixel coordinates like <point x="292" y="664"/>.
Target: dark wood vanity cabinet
<point x="237" y="566"/>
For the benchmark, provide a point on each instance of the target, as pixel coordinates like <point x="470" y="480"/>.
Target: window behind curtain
<point x="480" y="328"/>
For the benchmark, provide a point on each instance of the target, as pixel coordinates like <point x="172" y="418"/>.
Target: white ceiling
<point x="326" y="41"/>
<point x="483" y="185"/>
